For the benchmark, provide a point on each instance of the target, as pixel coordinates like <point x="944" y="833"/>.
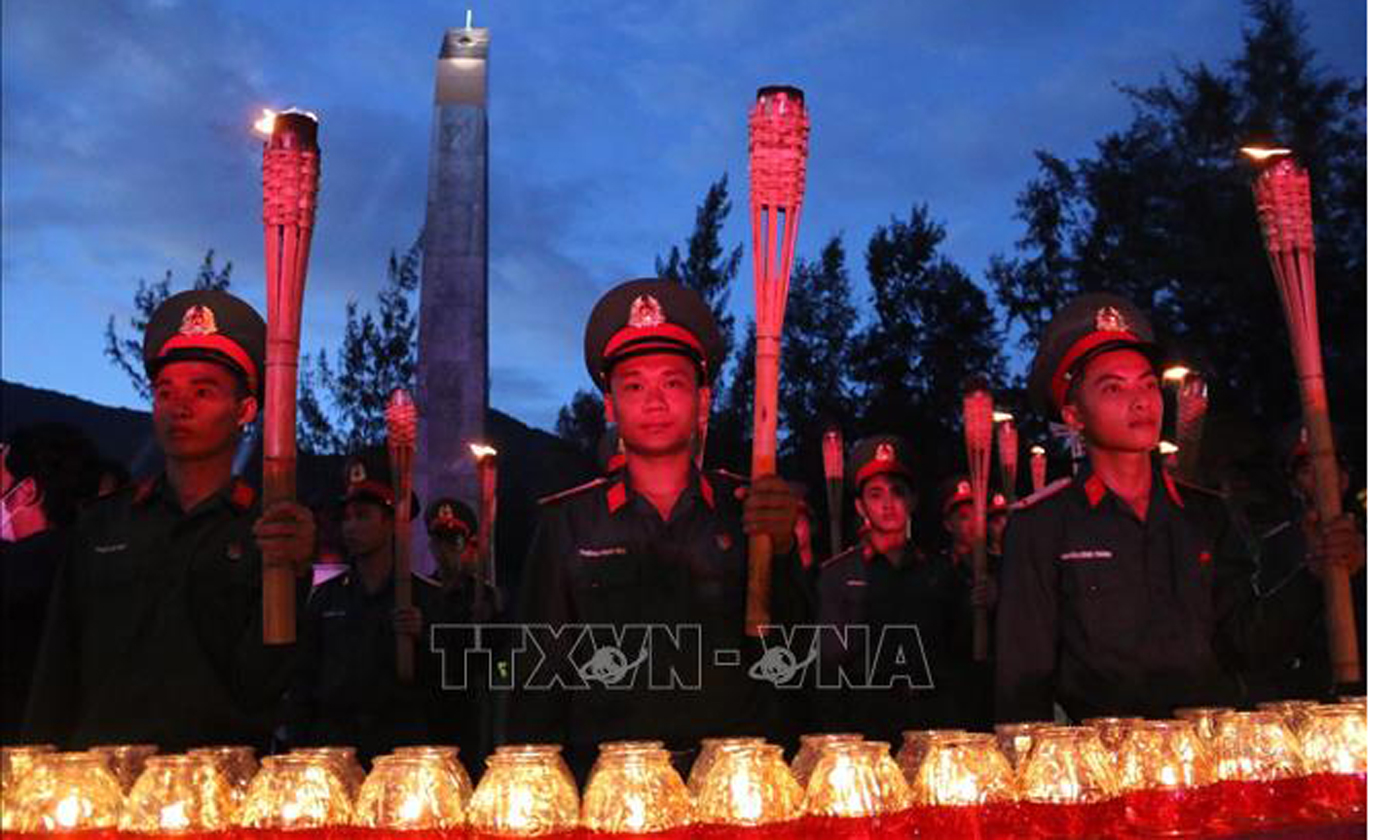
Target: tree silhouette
<point x="125" y="351"/>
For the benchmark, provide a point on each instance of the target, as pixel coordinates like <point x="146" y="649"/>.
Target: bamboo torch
<point x="486" y="478"/>
<point x="778" y="132"/>
<point x="401" y="418"/>
<point x="1282" y="196"/>
<point x="833" y="465"/>
<point x="291" y="172"/>
<point x="1037" y="468"/>
<point x="1192" y="400"/>
<point x="977" y="433"/>
<point x="1008" y="452"/>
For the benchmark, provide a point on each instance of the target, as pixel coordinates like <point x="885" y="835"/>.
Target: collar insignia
<point x="646" y="312"/>
<point x="884" y="452"/>
<point x="1109" y="319"/>
<point x="198" y="320"/>
<point x="357" y="473"/>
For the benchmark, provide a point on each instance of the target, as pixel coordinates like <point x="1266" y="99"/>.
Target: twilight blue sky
<point x="126" y="149"/>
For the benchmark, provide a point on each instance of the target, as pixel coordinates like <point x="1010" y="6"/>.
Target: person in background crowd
<point x="154" y="632"/>
<point x="48" y="471"/>
<point x="971" y="681"/>
<point x="346" y="690"/>
<point x="887" y="587"/>
<point x="1301" y="667"/>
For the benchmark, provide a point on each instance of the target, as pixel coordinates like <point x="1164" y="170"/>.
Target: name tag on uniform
<point x="109" y="549"/>
<point x="855" y="583"/>
<point x="333" y="614"/>
<point x="1087" y="554"/>
<point x="602" y="552"/>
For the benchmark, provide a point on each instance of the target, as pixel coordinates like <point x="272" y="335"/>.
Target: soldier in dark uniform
<point x="154" y="633"/>
<point x="463" y="717"/>
<point x="657" y="545"/>
<point x="453" y="540"/>
<point x="1123" y="592"/>
<point x="47" y="471"/>
<point x="1301" y="668"/>
<point x="969" y="681"/>
<point x="884" y="596"/>
<point x="346" y="689"/>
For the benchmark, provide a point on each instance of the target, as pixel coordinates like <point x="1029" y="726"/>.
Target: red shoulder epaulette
<point x="572" y="491"/>
<point x="243" y="494"/>
<point x="144" y="488"/>
<point x="1043" y="493"/>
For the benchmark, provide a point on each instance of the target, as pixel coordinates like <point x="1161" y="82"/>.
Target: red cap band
<point x="1059" y="383"/>
<point x="219" y="344"/>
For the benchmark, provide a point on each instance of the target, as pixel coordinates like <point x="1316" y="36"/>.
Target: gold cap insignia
<point x="1109" y="319"/>
<point x="357" y="473"/>
<point x="198" y="320"/>
<point x="884" y="452"/>
<point x="646" y="312"/>
<point x="964" y="487"/>
<point x="444" y="513"/>
<point x="998" y="500"/>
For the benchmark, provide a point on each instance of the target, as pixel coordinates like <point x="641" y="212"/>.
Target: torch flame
<point x="1037" y="450"/>
<point x="1002" y="417"/>
<point x="264" y="125"/>
<point x="482" y="450"/>
<point x="1263" y="153"/>
<point x="1166" y="447"/>
<point x="1176" y="373"/>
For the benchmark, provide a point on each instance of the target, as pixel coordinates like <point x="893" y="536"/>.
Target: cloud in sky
<point x="126" y="150"/>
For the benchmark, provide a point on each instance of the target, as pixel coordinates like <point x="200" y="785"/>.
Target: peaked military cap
<point x="880" y="455"/>
<point x="955" y="491"/>
<point x="647" y="316"/>
<point x="368" y="478"/>
<point x="207" y="325"/>
<point x="1088" y="325"/>
<point x="448" y="515"/>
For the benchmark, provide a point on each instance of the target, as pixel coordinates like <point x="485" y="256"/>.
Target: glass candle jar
<point x="237" y="764"/>
<point x="447" y="758"/>
<point x="636" y="791"/>
<point x="964" y="787"/>
<point x="527" y="791"/>
<point x="851" y="796"/>
<point x="710" y="748"/>
<point x="749" y="794"/>
<point x="915" y="745"/>
<point x="343" y="761"/>
<point x="1205" y="719"/>
<point x="1260" y="769"/>
<point x="1068" y="788"/>
<point x="297" y="795"/>
<point x="809" y="750"/>
<point x="182" y="795"/>
<point x="1334" y="755"/>
<point x="1167" y="778"/>
<point x="125" y="761"/>
<point x="15" y="764"/>
<point x="1015" y="740"/>
<point x="410" y="796"/>
<point x="69" y="792"/>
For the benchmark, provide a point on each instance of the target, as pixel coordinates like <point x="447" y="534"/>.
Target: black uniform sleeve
<point x="262" y="672"/>
<point x="52" y="708"/>
<point x="537" y="715"/>
<point x="298" y="709"/>
<point x="1027" y="626"/>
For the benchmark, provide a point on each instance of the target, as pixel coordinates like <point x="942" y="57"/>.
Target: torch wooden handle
<point x="833" y="506"/>
<point x="1341" y="618"/>
<point x="403" y="590"/>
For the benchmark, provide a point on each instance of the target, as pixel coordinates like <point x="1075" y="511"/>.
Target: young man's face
<point x="959" y="523"/>
<point x="366" y="528"/>
<point x="197" y="410"/>
<point x="886" y="503"/>
<point x="1118" y="403"/>
<point x="656" y="402"/>
<point x="452" y="550"/>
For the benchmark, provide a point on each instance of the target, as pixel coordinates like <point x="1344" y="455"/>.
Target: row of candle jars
<point x="1211" y="767"/>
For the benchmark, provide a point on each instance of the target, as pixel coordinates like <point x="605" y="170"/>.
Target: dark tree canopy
<point x="125" y="351"/>
<point x="341" y="406"/>
<point x="1163" y="214"/>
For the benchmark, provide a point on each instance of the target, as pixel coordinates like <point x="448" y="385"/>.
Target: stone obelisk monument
<point x="452" y="379"/>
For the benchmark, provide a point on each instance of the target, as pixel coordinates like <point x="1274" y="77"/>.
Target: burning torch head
<point x="1087" y="326"/>
<point x="206" y="325"/>
<point x="648" y="316"/>
<point x="369" y="478"/>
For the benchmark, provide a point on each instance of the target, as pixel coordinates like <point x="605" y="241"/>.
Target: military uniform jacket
<point x="1111" y="615"/>
<point x="154" y="630"/>
<point x="861" y="588"/>
<point x="603" y="557"/>
<point x="346" y="689"/>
